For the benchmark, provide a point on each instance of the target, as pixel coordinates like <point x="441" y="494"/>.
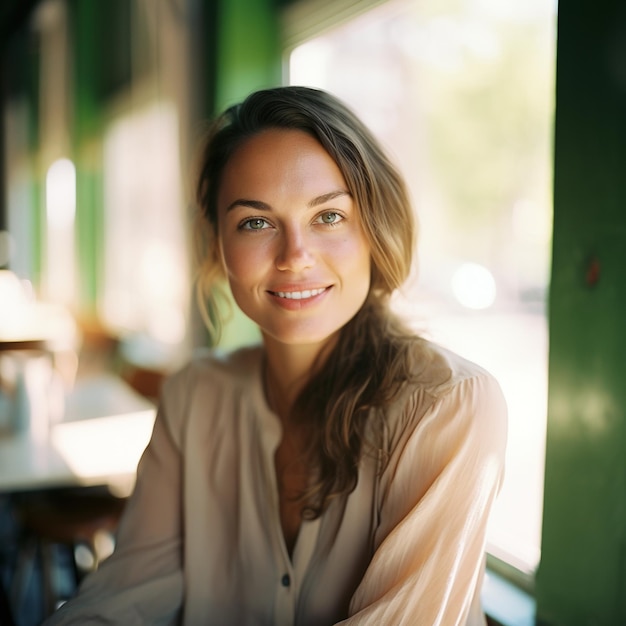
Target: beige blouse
<point x="201" y="542"/>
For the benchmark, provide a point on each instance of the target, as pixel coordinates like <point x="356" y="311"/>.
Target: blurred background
<point x="103" y="108"/>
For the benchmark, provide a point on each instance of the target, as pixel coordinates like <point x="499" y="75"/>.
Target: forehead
<point x="279" y="161"/>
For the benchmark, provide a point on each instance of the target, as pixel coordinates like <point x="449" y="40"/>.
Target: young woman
<point x="341" y="472"/>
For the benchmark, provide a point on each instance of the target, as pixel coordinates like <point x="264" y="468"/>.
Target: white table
<point x="105" y="429"/>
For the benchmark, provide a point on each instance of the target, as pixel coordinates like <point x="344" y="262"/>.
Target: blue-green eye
<point x="255" y="223"/>
<point x="330" y="217"/>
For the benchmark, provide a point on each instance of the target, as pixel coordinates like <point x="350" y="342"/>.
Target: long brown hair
<point x="373" y="356"/>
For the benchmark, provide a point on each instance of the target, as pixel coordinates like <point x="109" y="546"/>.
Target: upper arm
<point x="441" y="482"/>
<point x="142" y="581"/>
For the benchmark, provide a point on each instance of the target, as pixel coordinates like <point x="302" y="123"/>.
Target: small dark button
<point x="285" y="581"/>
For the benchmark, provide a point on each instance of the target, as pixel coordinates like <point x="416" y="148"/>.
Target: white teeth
<point x="299" y="295"/>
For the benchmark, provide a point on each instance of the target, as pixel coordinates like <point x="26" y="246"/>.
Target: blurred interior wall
<point x="76" y="68"/>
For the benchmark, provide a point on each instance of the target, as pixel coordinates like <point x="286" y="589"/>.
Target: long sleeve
<point x="438" y="489"/>
<point x="142" y="582"/>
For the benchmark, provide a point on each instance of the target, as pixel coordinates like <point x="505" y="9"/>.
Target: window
<point x="146" y="282"/>
<point x="461" y="93"/>
<point x="147" y="265"/>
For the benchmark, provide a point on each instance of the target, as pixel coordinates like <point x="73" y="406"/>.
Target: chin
<point x="301" y="336"/>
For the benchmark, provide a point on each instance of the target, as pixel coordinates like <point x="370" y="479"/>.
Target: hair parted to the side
<point x="372" y="358"/>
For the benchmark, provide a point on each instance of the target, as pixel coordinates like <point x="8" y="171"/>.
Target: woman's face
<point x="296" y="257"/>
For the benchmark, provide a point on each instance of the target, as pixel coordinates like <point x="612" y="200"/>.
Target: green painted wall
<point x="21" y="64"/>
<point x="98" y="70"/>
<point x="89" y="233"/>
<point x="83" y="27"/>
<point x="582" y="575"/>
<point x="248" y="50"/>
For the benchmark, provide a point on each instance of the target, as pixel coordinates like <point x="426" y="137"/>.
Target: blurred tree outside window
<point x="461" y="92"/>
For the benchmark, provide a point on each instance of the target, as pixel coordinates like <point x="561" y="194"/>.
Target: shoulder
<point x="449" y="391"/>
<point x="437" y="369"/>
<point x="439" y="372"/>
<point x="215" y="368"/>
<point x="210" y="379"/>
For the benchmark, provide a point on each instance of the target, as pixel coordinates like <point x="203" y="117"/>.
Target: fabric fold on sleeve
<point x="429" y="561"/>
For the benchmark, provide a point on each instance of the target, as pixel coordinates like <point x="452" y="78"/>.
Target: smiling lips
<point x="299" y="295"/>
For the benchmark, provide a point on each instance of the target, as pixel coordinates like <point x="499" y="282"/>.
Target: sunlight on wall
<point x="145" y="276"/>
<point x="60" y="213"/>
<point x="61" y="194"/>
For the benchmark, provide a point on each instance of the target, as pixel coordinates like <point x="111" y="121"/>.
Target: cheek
<point x="363" y="267"/>
<point x="354" y="254"/>
<point x="241" y="260"/>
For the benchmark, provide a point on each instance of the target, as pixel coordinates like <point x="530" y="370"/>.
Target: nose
<point x="295" y="252"/>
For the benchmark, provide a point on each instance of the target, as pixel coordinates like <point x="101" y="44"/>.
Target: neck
<point x="288" y="369"/>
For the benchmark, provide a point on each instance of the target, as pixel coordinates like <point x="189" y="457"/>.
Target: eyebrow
<point x="263" y="206"/>
<point x="327" y="197"/>
<point x="253" y="204"/>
